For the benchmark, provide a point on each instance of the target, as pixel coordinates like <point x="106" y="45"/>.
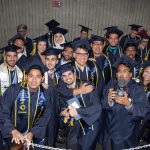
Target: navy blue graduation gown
<point x="91" y="115"/>
<point x="7" y="112"/>
<point x="22" y="61"/>
<point x="122" y="124"/>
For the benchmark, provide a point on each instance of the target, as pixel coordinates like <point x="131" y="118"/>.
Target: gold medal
<point x="22" y="107"/>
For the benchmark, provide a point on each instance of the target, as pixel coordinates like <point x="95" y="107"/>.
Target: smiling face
<point x="34" y="79"/>
<point x="97" y="47"/>
<point x="81" y="57"/>
<point x="11" y="58"/>
<point x="51" y="61"/>
<point x="146" y="74"/>
<point x="113" y="39"/>
<point x="130" y="52"/>
<point x="19" y="43"/>
<point x="58" y="38"/>
<point x="68" y="77"/>
<point x="68" y="53"/>
<point x="41" y="46"/>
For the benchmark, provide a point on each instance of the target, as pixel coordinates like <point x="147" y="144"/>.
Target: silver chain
<point x="28" y="144"/>
<point x="139" y="147"/>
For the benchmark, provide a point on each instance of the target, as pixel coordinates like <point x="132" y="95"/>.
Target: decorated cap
<point x="84" y="28"/>
<point x="52" y="24"/>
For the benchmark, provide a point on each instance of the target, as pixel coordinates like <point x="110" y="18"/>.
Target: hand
<point x="112" y="95"/>
<point x="72" y="111"/>
<point x="85" y="88"/>
<point x="123" y="100"/>
<point x="45" y="85"/>
<point x="17" y="137"/>
<point x="28" y="136"/>
<point x="65" y="112"/>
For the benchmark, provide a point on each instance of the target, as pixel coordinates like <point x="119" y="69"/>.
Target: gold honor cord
<point x="29" y="111"/>
<point x="36" y="105"/>
<point x="97" y="79"/>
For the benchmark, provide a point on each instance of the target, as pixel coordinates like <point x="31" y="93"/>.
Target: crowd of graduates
<point x="93" y="89"/>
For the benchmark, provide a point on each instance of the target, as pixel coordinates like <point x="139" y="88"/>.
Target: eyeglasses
<point x="82" y="54"/>
<point x="123" y="71"/>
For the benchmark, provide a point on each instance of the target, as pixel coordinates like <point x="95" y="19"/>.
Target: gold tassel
<point x="34" y="49"/>
<point x="24" y="79"/>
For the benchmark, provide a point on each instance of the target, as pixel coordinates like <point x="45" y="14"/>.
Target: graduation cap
<point x="67" y="44"/>
<point x="17" y="36"/>
<point x="65" y="68"/>
<point x="40" y="38"/>
<point x="146" y="64"/>
<point x="96" y="38"/>
<point x="52" y="24"/>
<point x="126" y="61"/>
<point x="135" y="27"/>
<point x="80" y="42"/>
<point x="35" y="63"/>
<point x="130" y="42"/>
<point x="59" y="30"/>
<point x="108" y="28"/>
<point x="114" y="30"/>
<point x="11" y="48"/>
<point x="84" y="28"/>
<point x="52" y="51"/>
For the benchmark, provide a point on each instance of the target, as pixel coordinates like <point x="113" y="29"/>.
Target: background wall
<point x="96" y="14"/>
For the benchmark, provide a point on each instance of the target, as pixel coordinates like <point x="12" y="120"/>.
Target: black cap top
<point x="40" y="38"/>
<point x="146" y="64"/>
<point x="52" y="24"/>
<point x="114" y="30"/>
<point x="108" y="28"/>
<point x="35" y="62"/>
<point x="130" y="42"/>
<point x="125" y="60"/>
<point x="60" y="30"/>
<point x="11" y="48"/>
<point x="17" y="36"/>
<point x="84" y="28"/>
<point x="51" y="51"/>
<point x="97" y="38"/>
<point x="135" y="27"/>
<point x="65" y="68"/>
<point x="67" y="44"/>
<point x="78" y="43"/>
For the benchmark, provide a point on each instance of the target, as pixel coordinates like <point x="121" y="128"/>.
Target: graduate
<point x="67" y="54"/>
<point x="84" y="33"/>
<point x="26" y="109"/>
<point x="130" y="50"/>
<point x="40" y="47"/>
<point x="22" y="58"/>
<point x="59" y="37"/>
<point x="132" y="35"/>
<point x="86" y="70"/>
<point x="113" y="50"/>
<point x="52" y="24"/>
<point x="125" y="103"/>
<point x="9" y="71"/>
<point x="96" y="53"/>
<point x="144" y="48"/>
<point x="144" y="80"/>
<point x="82" y="132"/>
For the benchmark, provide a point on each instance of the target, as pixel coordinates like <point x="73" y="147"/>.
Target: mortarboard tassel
<point x="33" y="50"/>
<point x="24" y="79"/>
